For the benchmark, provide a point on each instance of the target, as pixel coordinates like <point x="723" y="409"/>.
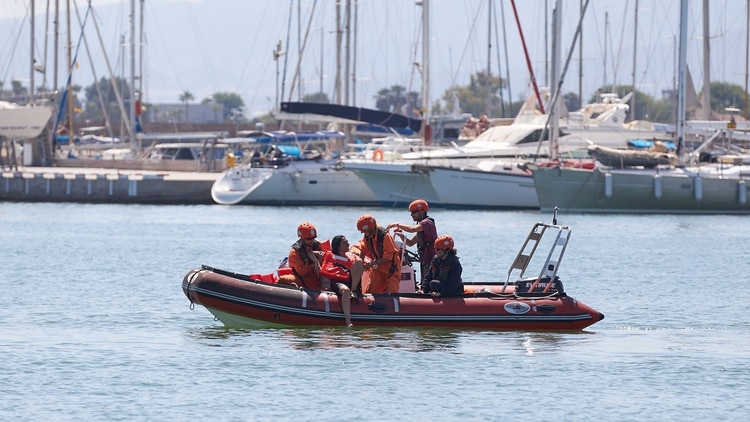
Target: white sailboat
<point x="309" y="175"/>
<point x="18" y="122"/>
<point x="22" y="122"/>
<point x="688" y="188"/>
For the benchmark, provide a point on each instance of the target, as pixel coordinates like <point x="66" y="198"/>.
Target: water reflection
<point x="410" y="339"/>
<point x="415" y="340"/>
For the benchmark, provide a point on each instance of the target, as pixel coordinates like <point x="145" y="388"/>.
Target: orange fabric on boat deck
<point x="266" y="278"/>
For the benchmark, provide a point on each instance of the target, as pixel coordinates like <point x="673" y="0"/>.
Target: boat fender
<point x="698" y="188"/>
<point x="657" y="186"/>
<point x="608" y="185"/>
<point x="377" y="155"/>
<point x="741" y="192"/>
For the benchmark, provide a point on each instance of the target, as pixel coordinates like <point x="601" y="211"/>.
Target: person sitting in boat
<point x="483" y="124"/>
<point x="424" y="237"/>
<point x="344" y="268"/>
<point x="445" y="271"/>
<point x="378" y="245"/>
<point x="257" y="159"/>
<point x="305" y="258"/>
<point x="469" y="129"/>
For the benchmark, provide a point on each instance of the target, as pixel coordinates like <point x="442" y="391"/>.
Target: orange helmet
<point x="307" y="231"/>
<point x="419" y="205"/>
<point x="366" y="222"/>
<point x="444" y="242"/>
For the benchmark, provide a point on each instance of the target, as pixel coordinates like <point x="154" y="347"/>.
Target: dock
<point x="100" y="185"/>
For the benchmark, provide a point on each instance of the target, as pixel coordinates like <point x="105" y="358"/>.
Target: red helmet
<point x="419" y="205"/>
<point x="307" y="231"/>
<point x="366" y="222"/>
<point x="444" y="242"/>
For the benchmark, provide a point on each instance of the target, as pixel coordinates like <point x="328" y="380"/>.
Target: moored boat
<point x="521" y="302"/>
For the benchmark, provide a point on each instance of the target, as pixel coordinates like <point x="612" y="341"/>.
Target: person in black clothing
<point x="445" y="270"/>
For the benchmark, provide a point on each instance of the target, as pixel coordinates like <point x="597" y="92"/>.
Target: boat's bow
<point x="236" y="183"/>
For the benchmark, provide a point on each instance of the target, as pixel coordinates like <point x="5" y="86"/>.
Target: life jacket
<point x="335" y="267"/>
<point x="421" y="243"/>
<point x="299" y="246"/>
<point x="379" y="253"/>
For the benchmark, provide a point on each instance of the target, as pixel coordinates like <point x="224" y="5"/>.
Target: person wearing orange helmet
<point x="425" y="233"/>
<point x="445" y="270"/>
<point x="305" y="258"/>
<point x="378" y="245"/>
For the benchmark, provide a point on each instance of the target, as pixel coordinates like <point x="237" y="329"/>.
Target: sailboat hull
<point x="709" y="190"/>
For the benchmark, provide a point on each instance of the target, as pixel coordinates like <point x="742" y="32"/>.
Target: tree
<point x="572" y="102"/>
<point x="227" y="101"/>
<point x="725" y="95"/>
<point x="18" y="89"/>
<point x="93" y="107"/>
<point x="396" y="100"/>
<point x="318" y="97"/>
<point x="185" y="98"/>
<point x="478" y="98"/>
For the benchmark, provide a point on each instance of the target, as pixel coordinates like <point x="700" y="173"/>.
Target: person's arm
<point x="389" y="251"/>
<point x="405" y="227"/>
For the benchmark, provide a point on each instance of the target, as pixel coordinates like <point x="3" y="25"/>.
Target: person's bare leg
<point x="346" y="303"/>
<point x="358" y="267"/>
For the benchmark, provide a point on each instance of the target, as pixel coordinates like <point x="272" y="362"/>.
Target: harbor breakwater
<point x="95" y="185"/>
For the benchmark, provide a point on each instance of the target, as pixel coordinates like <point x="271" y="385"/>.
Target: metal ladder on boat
<point x="552" y="261"/>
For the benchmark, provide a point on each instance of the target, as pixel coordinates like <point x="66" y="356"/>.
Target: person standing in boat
<point x="305" y="258"/>
<point x="445" y="271"/>
<point x="424" y="237"/>
<point x="344" y="268"/>
<point x="378" y="245"/>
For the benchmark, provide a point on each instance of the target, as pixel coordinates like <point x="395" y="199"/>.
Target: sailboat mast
<point x="131" y="106"/>
<point x="706" y="64"/>
<point x="426" y="72"/>
<point x="69" y="88"/>
<point x="528" y="61"/>
<point x="553" y="108"/>
<point x="635" y="46"/>
<point x="31" y="76"/>
<point x="681" y="82"/>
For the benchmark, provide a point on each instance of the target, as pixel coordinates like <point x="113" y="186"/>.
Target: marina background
<point x="204" y="47"/>
<point x="94" y="325"/>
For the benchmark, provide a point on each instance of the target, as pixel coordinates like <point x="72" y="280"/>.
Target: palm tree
<point x="186" y="97"/>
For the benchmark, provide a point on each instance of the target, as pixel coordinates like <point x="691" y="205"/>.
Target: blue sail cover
<point x="359" y="114"/>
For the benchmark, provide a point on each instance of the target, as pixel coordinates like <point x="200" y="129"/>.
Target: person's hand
<point x="435" y="294"/>
<point x="419" y="292"/>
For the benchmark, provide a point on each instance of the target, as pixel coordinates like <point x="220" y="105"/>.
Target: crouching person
<point x="445" y="270"/>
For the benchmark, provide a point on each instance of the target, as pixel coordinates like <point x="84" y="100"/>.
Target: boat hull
<point x="21" y="122"/>
<point x="239" y="301"/>
<point x="395" y="184"/>
<point x="474" y="188"/>
<point x="300" y="183"/>
<point x="668" y="191"/>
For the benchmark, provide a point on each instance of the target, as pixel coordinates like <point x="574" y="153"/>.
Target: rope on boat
<point x="189" y="282"/>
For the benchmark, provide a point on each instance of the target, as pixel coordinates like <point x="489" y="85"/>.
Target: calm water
<point x="94" y="325"/>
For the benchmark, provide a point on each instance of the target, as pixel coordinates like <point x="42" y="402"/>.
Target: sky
<point x="209" y="46"/>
